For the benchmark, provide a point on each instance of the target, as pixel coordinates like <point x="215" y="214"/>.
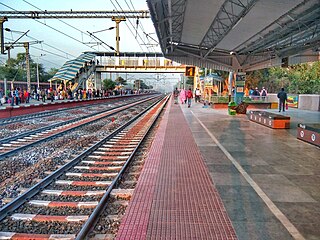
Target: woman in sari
<point x="182" y="96"/>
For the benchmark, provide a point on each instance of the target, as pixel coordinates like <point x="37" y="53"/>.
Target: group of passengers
<point x="16" y="96"/>
<point x="255" y="94"/>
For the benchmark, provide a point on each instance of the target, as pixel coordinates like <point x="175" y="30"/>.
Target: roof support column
<point x="230" y="84"/>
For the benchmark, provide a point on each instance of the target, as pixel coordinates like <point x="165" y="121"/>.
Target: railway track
<point x="11" y="145"/>
<point x="21" y="118"/>
<point x="67" y="203"/>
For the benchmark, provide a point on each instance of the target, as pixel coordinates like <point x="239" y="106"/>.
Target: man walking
<point x="176" y="95"/>
<point x="282" y="95"/>
<point x="189" y="97"/>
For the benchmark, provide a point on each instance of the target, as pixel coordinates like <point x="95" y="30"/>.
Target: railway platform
<point x="210" y="175"/>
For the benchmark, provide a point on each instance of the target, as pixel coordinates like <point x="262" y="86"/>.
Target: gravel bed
<point x="107" y="224"/>
<point x="45" y="197"/>
<point x="92" y="179"/>
<point x="28" y="209"/>
<point x="17" y="128"/>
<point x="22" y="170"/>
<point x="40" y="227"/>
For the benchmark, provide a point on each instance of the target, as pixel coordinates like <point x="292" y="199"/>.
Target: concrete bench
<point x="271" y="120"/>
<point x="309" y="133"/>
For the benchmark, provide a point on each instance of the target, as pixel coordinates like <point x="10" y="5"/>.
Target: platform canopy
<point x="238" y="34"/>
<point x="70" y="69"/>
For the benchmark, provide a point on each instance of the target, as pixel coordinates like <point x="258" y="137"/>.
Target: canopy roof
<point x="70" y="69"/>
<point x="237" y="34"/>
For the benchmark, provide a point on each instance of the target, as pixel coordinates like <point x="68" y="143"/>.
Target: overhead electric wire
<point x="42" y="50"/>
<point x="126" y="23"/>
<point x="101" y="41"/>
<point x="50" y="27"/>
<point x="58" y="19"/>
<point x="49" y="52"/>
<point x="44" y="60"/>
<point x="142" y="28"/>
<point x="53" y="47"/>
<point x="131" y="25"/>
<point x="63" y="22"/>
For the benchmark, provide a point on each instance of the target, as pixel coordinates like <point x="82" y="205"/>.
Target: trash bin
<point x="231" y="108"/>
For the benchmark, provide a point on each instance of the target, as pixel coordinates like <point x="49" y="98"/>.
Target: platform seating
<point x="271" y="120"/>
<point x="309" y="133"/>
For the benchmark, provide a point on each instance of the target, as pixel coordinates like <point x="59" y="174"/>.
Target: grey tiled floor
<point x="285" y="168"/>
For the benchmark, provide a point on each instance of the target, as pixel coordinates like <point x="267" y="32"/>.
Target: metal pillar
<point x="26" y="46"/>
<point x="98" y="80"/>
<point x="118" y="20"/>
<point x="230" y="84"/>
<point x="2" y="20"/>
<point x="38" y="84"/>
<point x="5" y="87"/>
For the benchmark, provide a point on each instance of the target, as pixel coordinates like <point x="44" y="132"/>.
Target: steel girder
<point x="294" y="32"/>
<point x="74" y="14"/>
<point x="229" y="15"/>
<point x="287" y="31"/>
<point x="168" y="17"/>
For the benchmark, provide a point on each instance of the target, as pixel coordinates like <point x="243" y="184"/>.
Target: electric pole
<point x="26" y="46"/>
<point x="2" y="20"/>
<point x="118" y="20"/>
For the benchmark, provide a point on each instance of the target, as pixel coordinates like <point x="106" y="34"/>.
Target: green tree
<point x="121" y="81"/>
<point x="16" y="69"/>
<point x="47" y="75"/>
<point x="143" y="85"/>
<point x="189" y="81"/>
<point x="108" y="84"/>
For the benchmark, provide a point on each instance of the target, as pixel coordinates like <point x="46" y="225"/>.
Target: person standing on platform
<point x="2" y="100"/>
<point x="38" y="94"/>
<point x="263" y="94"/>
<point x="43" y="95"/>
<point x="176" y="95"/>
<point x="282" y="95"/>
<point x="13" y="95"/>
<point x="256" y="94"/>
<point x="189" y="97"/>
<point x="197" y="95"/>
<point x="182" y="96"/>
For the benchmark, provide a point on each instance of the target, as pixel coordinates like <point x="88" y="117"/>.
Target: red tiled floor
<point x="175" y="197"/>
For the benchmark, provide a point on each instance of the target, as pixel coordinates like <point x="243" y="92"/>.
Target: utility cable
<point x="132" y="26"/>
<point x="68" y="54"/>
<point x="44" y="60"/>
<point x="142" y="28"/>
<point x="58" y="55"/>
<point x="50" y="27"/>
<point x="91" y="35"/>
<point x="57" y="18"/>
<point x="61" y="21"/>
<point x="33" y="38"/>
<point x="42" y="50"/>
<point x="127" y="24"/>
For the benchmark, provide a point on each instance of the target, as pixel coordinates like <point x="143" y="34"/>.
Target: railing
<point x="253" y="99"/>
<point x="83" y="77"/>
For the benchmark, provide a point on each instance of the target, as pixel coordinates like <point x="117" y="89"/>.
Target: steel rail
<point x="31" y="192"/>
<point x="19" y="201"/>
<point x="5" y="121"/>
<point x="5" y="140"/>
<point x="94" y="217"/>
<point x="117" y="110"/>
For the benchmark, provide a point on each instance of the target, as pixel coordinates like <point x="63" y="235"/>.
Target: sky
<point x="57" y="48"/>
